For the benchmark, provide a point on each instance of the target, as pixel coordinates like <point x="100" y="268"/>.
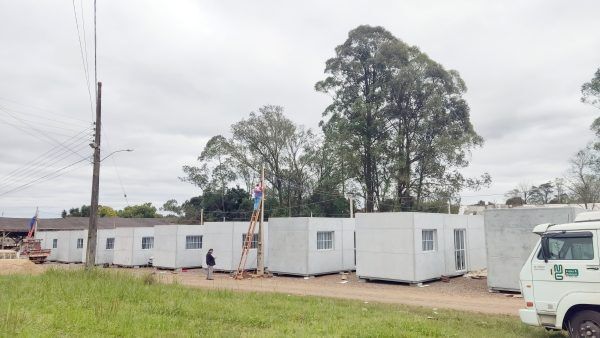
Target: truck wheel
<point x="586" y="324"/>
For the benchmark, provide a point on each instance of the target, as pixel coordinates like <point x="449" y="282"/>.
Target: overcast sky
<point x="176" y="73"/>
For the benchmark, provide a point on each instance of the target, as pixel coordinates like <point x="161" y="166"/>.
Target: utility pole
<point x="202" y="216"/>
<point x="351" y="198"/>
<point x="260" y="260"/>
<point x="90" y="258"/>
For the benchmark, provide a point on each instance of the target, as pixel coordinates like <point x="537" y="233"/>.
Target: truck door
<point x="573" y="265"/>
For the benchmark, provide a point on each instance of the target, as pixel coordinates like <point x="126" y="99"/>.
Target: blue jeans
<point x="257" y="202"/>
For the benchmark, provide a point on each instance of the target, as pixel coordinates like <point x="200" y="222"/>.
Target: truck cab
<point x="560" y="280"/>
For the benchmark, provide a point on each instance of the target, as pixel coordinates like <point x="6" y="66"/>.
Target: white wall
<point x="225" y="238"/>
<point x="328" y="261"/>
<point x="128" y="246"/>
<point x="103" y="255"/>
<point x="67" y="251"/>
<point x="47" y="244"/>
<point x="509" y="240"/>
<point x="288" y="245"/>
<point x="389" y="245"/>
<point x="170" y="246"/>
<point x="385" y="246"/>
<point x="432" y="264"/>
<point x="477" y="254"/>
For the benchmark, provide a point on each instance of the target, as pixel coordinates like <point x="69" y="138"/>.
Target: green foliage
<point x="145" y="210"/>
<point x="63" y="214"/>
<point x="106" y="303"/>
<point x="404" y="118"/>
<point x="106" y="211"/>
<point x="172" y="206"/>
<point x="590" y="92"/>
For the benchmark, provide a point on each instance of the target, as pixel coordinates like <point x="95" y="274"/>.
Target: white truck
<point x="560" y="280"/>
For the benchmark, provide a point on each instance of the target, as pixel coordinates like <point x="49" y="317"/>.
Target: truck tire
<point x="586" y="324"/>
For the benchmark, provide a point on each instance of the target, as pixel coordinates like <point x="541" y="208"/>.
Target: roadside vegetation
<point x="102" y="303"/>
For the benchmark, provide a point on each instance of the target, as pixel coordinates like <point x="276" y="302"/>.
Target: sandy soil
<point x="19" y="266"/>
<point x="459" y="294"/>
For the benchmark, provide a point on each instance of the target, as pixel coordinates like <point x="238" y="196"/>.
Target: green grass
<point x="102" y="303"/>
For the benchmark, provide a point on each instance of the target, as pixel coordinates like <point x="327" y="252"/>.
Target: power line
<point x="41" y="132"/>
<point x="116" y="168"/>
<point x="83" y="60"/>
<point x="68" y="123"/>
<point x="80" y="121"/>
<point x="40" y="168"/>
<point x="44" y="178"/>
<point x="48" y="153"/>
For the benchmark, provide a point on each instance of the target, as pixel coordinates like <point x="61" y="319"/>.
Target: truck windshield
<point x="570" y="247"/>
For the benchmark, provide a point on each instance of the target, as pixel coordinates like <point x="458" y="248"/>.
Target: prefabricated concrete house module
<point x="416" y="247"/>
<point x="509" y="240"/>
<point x="69" y="246"/>
<point x="178" y="246"/>
<point x="226" y="239"/>
<point x="49" y="241"/>
<point x="134" y="246"/>
<point x="105" y="246"/>
<point x="309" y="246"/>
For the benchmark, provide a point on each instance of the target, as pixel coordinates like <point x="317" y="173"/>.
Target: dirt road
<point x="459" y="294"/>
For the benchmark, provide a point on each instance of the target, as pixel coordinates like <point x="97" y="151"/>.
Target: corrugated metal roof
<point x="78" y="223"/>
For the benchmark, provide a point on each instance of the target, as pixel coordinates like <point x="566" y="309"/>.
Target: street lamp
<point x="114" y="152"/>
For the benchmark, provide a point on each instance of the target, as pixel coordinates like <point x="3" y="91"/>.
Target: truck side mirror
<point x="545" y="249"/>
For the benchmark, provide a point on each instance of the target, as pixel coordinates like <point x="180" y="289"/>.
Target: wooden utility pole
<point x="202" y="216"/>
<point x="351" y="198"/>
<point x="90" y="257"/>
<point x="260" y="259"/>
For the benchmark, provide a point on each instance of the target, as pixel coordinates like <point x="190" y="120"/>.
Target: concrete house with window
<point x="309" y="246"/>
<point x="69" y="245"/>
<point x="416" y="247"/>
<point x="133" y="246"/>
<point x="105" y="246"/>
<point x="178" y="246"/>
<point x="226" y="239"/>
<point x="509" y="240"/>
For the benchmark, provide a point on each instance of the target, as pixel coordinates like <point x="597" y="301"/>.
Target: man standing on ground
<point x="210" y="262"/>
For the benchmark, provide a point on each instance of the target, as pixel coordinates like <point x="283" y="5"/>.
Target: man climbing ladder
<point x="257" y="214"/>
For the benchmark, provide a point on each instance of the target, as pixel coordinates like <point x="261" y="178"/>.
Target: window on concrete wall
<point x="55" y="243"/>
<point x="253" y="243"/>
<point x="110" y="243"/>
<point x="79" y="243"/>
<point x="460" y="256"/>
<point x="429" y="238"/>
<point x="324" y="240"/>
<point x="193" y="242"/>
<point x="147" y="243"/>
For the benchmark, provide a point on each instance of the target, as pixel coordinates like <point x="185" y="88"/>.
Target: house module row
<point x="407" y="247"/>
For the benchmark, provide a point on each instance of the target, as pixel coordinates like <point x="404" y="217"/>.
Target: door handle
<point x="593" y="267"/>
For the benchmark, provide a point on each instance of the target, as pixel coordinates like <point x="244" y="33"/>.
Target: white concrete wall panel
<point x="288" y="245"/>
<point x="509" y="240"/>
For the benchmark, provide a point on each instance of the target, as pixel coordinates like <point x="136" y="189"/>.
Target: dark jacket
<point x="210" y="260"/>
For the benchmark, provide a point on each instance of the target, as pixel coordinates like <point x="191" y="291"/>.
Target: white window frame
<point x="149" y="242"/>
<point x="54" y="243"/>
<point x="460" y="249"/>
<point x="428" y="244"/>
<point x="324" y="243"/>
<point x="79" y="243"/>
<point x="253" y="243"/>
<point x="193" y="242"/>
<point x="110" y="240"/>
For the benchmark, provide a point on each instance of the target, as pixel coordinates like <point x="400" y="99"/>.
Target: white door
<point x="459" y="250"/>
<point x="573" y="264"/>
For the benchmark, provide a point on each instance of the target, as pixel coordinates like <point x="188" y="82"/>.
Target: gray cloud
<point x="175" y="74"/>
